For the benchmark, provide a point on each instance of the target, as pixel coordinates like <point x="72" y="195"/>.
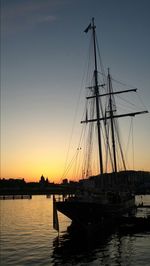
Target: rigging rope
<point x="76" y="111"/>
<point x="132" y="143"/>
<point x="89" y="139"/>
<point x="119" y="142"/>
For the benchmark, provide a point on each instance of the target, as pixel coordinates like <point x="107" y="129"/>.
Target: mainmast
<point x="112" y="122"/>
<point x="96" y="90"/>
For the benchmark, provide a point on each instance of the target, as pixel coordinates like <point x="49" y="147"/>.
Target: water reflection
<point x="28" y="238"/>
<point x="115" y="249"/>
<point x="71" y="249"/>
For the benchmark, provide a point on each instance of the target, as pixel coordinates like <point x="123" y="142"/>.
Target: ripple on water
<point x="27" y="238"/>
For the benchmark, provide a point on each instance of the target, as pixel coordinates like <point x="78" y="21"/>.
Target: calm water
<point x="27" y="238"/>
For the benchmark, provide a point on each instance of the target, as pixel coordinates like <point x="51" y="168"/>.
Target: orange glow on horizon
<point x="31" y="170"/>
<point x="32" y="156"/>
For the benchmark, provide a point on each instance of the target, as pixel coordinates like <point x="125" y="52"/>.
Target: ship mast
<point x="112" y="122"/>
<point x="96" y="90"/>
<point x="111" y="115"/>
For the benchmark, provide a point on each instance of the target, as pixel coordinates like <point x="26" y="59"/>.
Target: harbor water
<point x="27" y="237"/>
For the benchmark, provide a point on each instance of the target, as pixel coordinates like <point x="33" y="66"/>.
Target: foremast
<point x="96" y="90"/>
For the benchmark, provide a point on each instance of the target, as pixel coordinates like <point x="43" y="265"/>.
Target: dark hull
<point x="84" y="213"/>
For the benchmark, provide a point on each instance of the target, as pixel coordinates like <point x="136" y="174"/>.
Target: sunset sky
<point x="43" y="58"/>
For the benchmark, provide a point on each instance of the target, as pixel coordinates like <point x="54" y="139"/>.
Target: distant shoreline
<point x="137" y="182"/>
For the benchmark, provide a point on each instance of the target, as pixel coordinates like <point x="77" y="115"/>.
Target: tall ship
<point x="105" y="196"/>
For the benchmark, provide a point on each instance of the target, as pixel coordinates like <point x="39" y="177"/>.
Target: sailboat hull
<point x="85" y="213"/>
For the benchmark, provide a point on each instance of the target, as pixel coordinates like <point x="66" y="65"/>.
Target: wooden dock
<point x="14" y="197"/>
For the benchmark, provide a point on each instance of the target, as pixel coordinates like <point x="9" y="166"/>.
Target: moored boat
<point x="105" y="197"/>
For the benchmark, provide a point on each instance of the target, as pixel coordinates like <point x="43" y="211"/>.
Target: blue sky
<point x="43" y="57"/>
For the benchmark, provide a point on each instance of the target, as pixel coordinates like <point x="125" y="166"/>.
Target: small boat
<point x="104" y="197"/>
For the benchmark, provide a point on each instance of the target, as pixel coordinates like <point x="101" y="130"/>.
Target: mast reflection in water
<point x="28" y="238"/>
